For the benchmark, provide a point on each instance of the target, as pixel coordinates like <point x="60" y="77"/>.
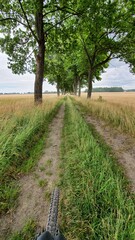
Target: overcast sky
<point x="117" y="75"/>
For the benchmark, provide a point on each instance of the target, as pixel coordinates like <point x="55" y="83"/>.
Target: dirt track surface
<point x="122" y="145"/>
<point x="33" y="202"/>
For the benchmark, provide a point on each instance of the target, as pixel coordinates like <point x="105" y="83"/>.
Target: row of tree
<point x="67" y="41"/>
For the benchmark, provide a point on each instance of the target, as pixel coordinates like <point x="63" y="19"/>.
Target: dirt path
<point x="36" y="187"/>
<point x="122" y="145"/>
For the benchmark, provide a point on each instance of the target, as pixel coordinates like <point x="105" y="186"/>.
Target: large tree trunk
<point x="79" y="85"/>
<point x="90" y="78"/>
<point x="40" y="54"/>
<point x="75" y="84"/>
<point x="39" y="74"/>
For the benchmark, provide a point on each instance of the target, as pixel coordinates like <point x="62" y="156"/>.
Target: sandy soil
<point x="33" y="201"/>
<point x="122" y="145"/>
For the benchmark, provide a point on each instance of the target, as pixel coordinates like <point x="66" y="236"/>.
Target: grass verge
<point x="21" y="145"/>
<point x="95" y="201"/>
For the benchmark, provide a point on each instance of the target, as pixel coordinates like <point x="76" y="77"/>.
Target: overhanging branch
<point x="34" y="35"/>
<point x="103" y="62"/>
<point x="60" y="22"/>
<point x="85" y="48"/>
<point x="15" y="20"/>
<point x="67" y="9"/>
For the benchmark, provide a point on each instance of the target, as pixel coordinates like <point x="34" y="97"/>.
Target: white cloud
<point x="117" y="75"/>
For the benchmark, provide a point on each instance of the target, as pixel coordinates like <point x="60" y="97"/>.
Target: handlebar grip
<point x="45" y="236"/>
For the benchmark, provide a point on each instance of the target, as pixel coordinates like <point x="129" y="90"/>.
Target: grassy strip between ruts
<point x="20" y="150"/>
<point x="95" y="201"/>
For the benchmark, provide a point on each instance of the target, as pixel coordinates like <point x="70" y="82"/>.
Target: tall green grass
<point x="95" y="201"/>
<point x="18" y="140"/>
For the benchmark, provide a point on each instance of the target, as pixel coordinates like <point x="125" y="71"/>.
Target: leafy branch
<point x="13" y="19"/>
<point x="34" y="35"/>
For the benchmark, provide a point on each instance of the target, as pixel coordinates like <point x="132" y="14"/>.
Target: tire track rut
<point x="122" y="145"/>
<point x="35" y="188"/>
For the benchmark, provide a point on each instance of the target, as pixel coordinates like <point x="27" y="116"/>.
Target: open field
<point x="117" y="109"/>
<point x="15" y="104"/>
<point x="123" y="98"/>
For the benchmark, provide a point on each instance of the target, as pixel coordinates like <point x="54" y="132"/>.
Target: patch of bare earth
<point x="122" y="145"/>
<point x="33" y="202"/>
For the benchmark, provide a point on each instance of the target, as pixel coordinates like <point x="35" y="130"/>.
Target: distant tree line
<point x="106" y="89"/>
<point x="130" y="90"/>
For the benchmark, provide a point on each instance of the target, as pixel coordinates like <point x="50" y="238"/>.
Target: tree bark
<point x="79" y="85"/>
<point x="39" y="75"/>
<point x="75" y="84"/>
<point x="58" y="89"/>
<point x="90" y="78"/>
<point x="40" y="54"/>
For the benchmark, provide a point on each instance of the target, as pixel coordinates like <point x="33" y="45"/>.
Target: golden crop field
<point x="117" y="109"/>
<point x="123" y="98"/>
<point x="15" y="107"/>
<point x="20" y="104"/>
